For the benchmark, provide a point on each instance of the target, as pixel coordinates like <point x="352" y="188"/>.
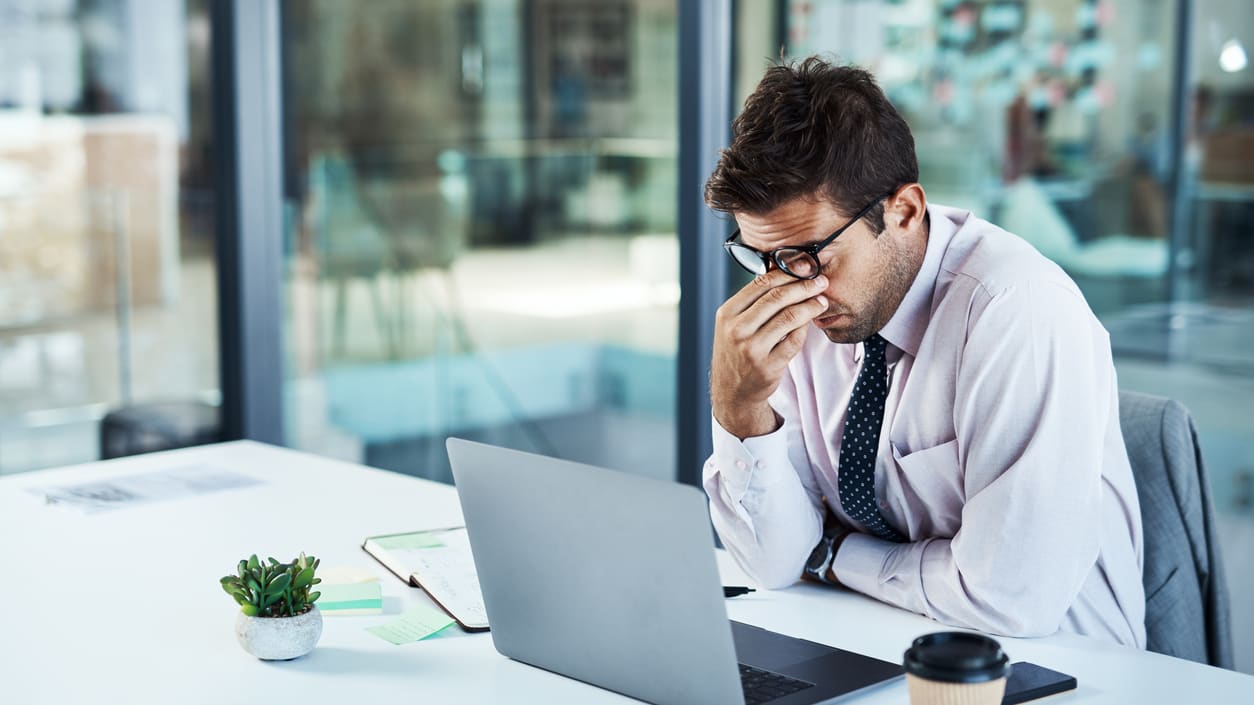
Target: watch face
<point x="818" y="557"/>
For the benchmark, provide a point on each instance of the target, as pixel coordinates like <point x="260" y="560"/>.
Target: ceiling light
<point x="1232" y="56"/>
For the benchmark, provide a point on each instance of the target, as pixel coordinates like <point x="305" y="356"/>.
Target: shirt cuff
<point x="860" y="561"/>
<point x="754" y="463"/>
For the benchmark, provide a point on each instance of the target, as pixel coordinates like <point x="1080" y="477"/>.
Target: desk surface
<point x="124" y="606"/>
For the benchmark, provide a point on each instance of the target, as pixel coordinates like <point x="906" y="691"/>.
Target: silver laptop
<point x="611" y="579"/>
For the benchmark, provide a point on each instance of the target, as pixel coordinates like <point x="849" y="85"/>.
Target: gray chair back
<point x="1186" y="611"/>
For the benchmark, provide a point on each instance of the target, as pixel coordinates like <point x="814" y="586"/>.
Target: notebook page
<point x="440" y="561"/>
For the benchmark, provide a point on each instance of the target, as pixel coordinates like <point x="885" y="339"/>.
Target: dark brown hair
<point x="814" y="128"/>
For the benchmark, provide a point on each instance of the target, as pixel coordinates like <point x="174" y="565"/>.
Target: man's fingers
<point x="757" y="331"/>
<point x="751" y="292"/>
<point x="777" y="300"/>
<point x="798" y="315"/>
<point x="756" y="289"/>
<point x="788" y="348"/>
<point x="793" y="318"/>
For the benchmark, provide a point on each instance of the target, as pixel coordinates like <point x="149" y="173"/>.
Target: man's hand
<point x="756" y="332"/>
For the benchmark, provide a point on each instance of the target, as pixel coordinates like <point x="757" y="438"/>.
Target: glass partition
<point x="482" y="244"/>
<point x="1057" y="119"/>
<point x="107" y="268"/>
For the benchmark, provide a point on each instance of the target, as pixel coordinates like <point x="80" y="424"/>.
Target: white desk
<point x="125" y="607"/>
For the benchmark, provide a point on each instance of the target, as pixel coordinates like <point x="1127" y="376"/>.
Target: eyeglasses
<point x="801" y="261"/>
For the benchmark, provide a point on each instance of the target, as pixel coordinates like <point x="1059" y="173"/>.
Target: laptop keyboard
<point x="764" y="686"/>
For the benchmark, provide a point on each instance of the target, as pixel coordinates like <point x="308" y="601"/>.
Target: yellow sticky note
<point x="415" y="624"/>
<point x="343" y="575"/>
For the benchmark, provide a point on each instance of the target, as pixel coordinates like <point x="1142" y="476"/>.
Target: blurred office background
<point x="481" y="206"/>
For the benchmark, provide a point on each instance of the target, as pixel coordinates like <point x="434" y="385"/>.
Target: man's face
<point x="867" y="275"/>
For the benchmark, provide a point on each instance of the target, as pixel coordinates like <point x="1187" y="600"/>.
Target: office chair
<point x="349" y="245"/>
<point x="1186" y="610"/>
<point x="160" y="425"/>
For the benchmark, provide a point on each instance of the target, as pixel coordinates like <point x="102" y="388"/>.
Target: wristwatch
<point x="824" y="553"/>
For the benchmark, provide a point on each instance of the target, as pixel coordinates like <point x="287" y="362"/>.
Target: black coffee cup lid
<point x="957" y="657"/>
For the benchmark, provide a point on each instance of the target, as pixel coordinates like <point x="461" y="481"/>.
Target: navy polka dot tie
<point x="861" y="442"/>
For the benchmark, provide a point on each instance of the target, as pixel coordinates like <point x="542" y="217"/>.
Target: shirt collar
<point x="905" y="329"/>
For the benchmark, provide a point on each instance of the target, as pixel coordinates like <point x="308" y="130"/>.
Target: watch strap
<point x="820" y="562"/>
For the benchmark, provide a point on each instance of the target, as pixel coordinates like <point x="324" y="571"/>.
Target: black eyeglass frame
<point x="773" y="257"/>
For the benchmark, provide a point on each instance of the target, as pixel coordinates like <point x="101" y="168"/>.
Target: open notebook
<point x="439" y="562"/>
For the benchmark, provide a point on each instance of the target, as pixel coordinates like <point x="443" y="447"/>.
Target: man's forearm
<point x="748" y="422"/>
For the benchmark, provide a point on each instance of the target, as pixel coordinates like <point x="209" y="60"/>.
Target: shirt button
<point x="759" y="465"/>
<point x="741" y="464"/>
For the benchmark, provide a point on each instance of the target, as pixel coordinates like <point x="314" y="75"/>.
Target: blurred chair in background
<point x="1028" y="212"/>
<point x="154" y="426"/>
<point x="383" y="229"/>
<point x="349" y="245"/>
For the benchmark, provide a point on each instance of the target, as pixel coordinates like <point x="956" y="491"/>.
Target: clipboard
<point x="439" y="562"/>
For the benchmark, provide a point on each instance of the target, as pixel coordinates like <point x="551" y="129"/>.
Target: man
<point x="948" y="440"/>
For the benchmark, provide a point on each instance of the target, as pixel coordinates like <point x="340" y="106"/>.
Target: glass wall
<point x="482" y="233"/>
<point x="1055" y="119"/>
<point x="107" y="276"/>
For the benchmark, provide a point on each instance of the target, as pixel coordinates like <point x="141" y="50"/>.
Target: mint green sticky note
<point x="414" y="624"/>
<point x="401" y="541"/>
<point x="359" y="598"/>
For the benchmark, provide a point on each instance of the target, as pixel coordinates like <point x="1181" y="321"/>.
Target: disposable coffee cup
<point x="956" y="668"/>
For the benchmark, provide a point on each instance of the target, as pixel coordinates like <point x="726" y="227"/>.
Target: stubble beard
<point x="892" y="280"/>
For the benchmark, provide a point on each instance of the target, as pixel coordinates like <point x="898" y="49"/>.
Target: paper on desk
<point x="130" y="490"/>
<point x="415" y="624"/>
<point x="440" y="562"/>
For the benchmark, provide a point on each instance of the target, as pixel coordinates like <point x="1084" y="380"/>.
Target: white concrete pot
<point x="279" y="638"/>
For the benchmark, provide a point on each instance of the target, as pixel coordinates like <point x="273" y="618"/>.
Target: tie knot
<point x="875" y="346"/>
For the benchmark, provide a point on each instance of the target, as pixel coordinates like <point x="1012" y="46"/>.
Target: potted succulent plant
<point x="278" y="619"/>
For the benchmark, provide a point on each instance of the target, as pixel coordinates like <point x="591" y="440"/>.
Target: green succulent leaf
<point x="279" y="583"/>
<point x="303" y="579"/>
<point x="271" y="588"/>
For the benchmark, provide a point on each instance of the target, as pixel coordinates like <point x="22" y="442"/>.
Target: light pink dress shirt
<point x="1000" y="458"/>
